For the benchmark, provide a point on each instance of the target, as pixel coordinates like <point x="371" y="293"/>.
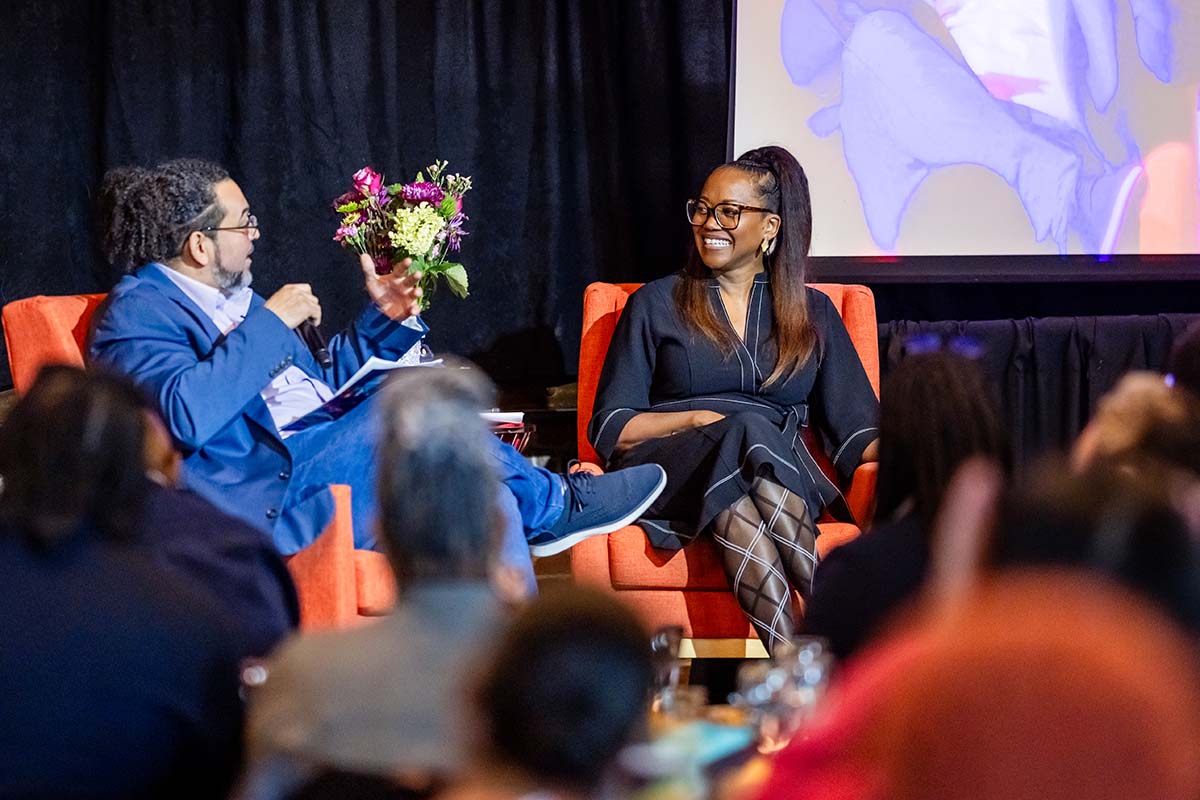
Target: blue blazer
<point x="207" y="386"/>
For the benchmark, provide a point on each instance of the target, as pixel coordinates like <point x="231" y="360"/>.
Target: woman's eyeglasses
<point x="965" y="346"/>
<point x="728" y="215"/>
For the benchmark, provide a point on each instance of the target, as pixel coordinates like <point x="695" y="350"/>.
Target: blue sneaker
<point x="596" y="504"/>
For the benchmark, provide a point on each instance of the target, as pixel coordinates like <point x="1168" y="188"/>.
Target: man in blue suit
<point x="228" y="372"/>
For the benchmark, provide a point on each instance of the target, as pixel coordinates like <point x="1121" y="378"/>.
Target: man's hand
<point x="295" y="303"/>
<point x="397" y="294"/>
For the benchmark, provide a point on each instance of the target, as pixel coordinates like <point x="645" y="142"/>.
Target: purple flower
<point x="348" y="197"/>
<point x="423" y="192"/>
<point x="383" y="264"/>
<point x="345" y="232"/>
<point x="454" y="231"/>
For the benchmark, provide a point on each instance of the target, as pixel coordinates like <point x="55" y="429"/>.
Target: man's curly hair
<point x="145" y="214"/>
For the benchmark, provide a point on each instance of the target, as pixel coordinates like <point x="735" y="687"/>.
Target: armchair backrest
<point x="46" y="330"/>
<point x="602" y="306"/>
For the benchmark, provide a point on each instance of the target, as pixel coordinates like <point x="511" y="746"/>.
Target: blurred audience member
<point x="1050" y="653"/>
<point x="1118" y="522"/>
<point x="936" y="411"/>
<point x="1142" y="415"/>
<point x="1038" y="685"/>
<point x="230" y="560"/>
<point x="119" y="680"/>
<point x="381" y="699"/>
<point x="1183" y="364"/>
<point x="564" y="692"/>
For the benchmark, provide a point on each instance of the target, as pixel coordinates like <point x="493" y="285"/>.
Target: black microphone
<point x="311" y="335"/>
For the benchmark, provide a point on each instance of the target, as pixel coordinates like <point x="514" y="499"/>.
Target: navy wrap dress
<point x="657" y="363"/>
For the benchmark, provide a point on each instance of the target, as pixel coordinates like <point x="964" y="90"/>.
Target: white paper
<point x="504" y="417"/>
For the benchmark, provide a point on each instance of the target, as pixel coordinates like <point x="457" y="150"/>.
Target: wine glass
<point x="780" y="694"/>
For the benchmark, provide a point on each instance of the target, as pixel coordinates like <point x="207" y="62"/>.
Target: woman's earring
<point x="768" y="246"/>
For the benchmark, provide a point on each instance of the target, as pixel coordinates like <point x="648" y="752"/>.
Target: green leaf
<point x="449" y="206"/>
<point x="419" y="265"/>
<point x="346" y="208"/>
<point x="456" y="279"/>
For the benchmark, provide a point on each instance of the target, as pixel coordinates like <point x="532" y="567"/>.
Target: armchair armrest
<point x="324" y="571"/>
<point x="861" y="494"/>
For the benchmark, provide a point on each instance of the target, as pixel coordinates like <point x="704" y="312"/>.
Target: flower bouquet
<point x="421" y="220"/>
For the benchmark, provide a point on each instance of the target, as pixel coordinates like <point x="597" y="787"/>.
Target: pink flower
<point x="368" y="182"/>
<point x="345" y="232"/>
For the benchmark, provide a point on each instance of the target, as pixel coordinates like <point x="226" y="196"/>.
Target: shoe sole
<point x="567" y="542"/>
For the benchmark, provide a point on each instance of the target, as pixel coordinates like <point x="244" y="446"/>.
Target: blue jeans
<point x="345" y="451"/>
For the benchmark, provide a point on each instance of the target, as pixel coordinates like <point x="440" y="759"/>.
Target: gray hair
<point x="437" y="487"/>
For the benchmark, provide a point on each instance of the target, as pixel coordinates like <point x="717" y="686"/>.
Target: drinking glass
<point x="664" y="649"/>
<point x="780" y="694"/>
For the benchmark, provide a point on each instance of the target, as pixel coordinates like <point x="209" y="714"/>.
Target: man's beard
<point x="229" y="280"/>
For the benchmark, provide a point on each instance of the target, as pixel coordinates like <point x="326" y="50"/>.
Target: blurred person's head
<point x="566" y="689"/>
<point x="1141" y="412"/>
<point x="936" y="410"/>
<point x="71" y="457"/>
<point x="1183" y="364"/>
<point x="437" y="487"/>
<point x="1118" y="521"/>
<point x="1041" y="684"/>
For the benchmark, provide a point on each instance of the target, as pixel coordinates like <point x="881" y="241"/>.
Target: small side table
<point x="516" y="434"/>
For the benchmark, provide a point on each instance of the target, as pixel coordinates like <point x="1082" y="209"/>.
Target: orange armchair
<point x="689" y="587"/>
<point x="46" y="330"/>
<point x="337" y="585"/>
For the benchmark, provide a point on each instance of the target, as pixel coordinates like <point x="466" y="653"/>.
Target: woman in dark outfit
<point x="712" y="372"/>
<point x="937" y="411"/>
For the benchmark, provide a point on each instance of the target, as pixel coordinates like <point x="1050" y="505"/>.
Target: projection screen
<point x="1000" y="128"/>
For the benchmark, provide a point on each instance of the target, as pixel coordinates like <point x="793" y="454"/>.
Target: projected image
<point x="1094" y="141"/>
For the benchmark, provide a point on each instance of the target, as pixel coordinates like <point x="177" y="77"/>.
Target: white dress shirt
<point x="292" y="393"/>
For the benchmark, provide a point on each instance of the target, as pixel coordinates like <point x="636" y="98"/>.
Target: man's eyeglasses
<point x="728" y="215"/>
<point x="250" y="228"/>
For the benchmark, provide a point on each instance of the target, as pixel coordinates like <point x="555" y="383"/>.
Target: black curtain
<point x="585" y="125"/>
<point x="1048" y="373"/>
